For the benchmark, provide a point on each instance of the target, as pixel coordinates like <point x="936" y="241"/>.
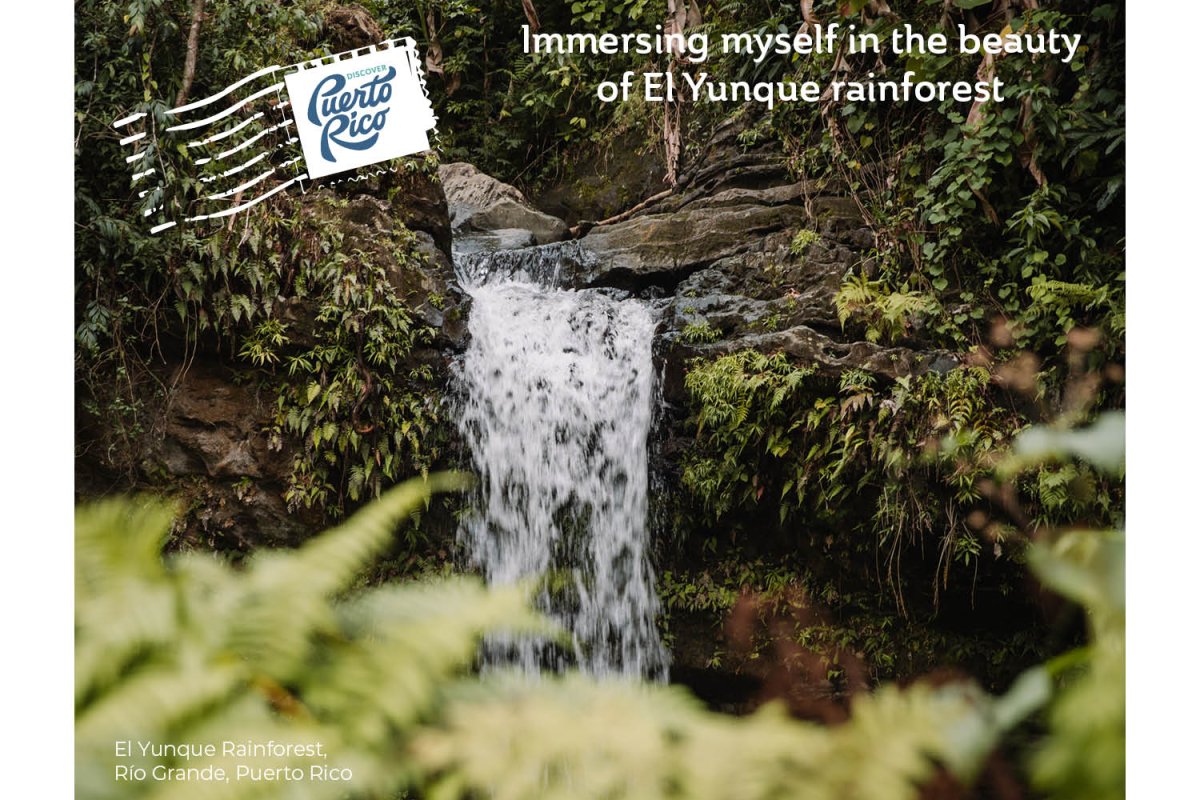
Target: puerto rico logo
<point x="353" y="113"/>
<point x="337" y="110"/>
<point x="281" y="127"/>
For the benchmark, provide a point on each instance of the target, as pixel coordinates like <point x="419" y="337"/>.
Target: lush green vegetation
<point x="283" y="650"/>
<point x="999" y="238"/>
<point x="1015" y="210"/>
<point x="854" y="508"/>
<point x="521" y="117"/>
<point x="282" y="297"/>
<point x="772" y="434"/>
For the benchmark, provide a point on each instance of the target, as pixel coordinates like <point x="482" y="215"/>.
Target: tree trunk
<point x="193" y="48"/>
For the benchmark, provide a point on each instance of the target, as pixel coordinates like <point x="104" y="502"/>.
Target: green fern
<point x="699" y="333"/>
<point x="803" y="239"/>
<point x="191" y="649"/>
<point x="572" y="739"/>
<point x="888" y="316"/>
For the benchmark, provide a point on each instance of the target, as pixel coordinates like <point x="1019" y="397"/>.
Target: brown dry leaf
<point x="979" y="357"/>
<point x="1019" y="374"/>
<point x="852" y="405"/>
<point x="739" y="627"/>
<point x="681" y="15"/>
<point x="1081" y="392"/>
<point x="1083" y="339"/>
<point x="1002" y="333"/>
<point x="433" y="55"/>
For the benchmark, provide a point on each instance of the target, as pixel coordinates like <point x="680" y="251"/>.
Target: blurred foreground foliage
<point x="190" y="649"/>
<point x="193" y="650"/>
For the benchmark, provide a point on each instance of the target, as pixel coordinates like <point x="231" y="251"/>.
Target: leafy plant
<point x="803" y="239"/>
<point x="1083" y="756"/>
<point x="363" y="411"/>
<point x="888" y="316"/>
<point x="282" y="298"/>
<point x="191" y="649"/>
<point x="574" y="738"/>
<point x="857" y="469"/>
<point x="699" y="333"/>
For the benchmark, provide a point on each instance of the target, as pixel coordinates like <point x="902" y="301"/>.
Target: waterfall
<point x="556" y="393"/>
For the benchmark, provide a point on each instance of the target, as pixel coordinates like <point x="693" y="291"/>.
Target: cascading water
<point x="557" y="396"/>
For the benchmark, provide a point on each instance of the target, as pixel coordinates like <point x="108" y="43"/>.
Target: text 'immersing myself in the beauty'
<point x="696" y="47"/>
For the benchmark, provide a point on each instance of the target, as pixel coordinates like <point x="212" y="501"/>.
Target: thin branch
<point x="531" y="15"/>
<point x="626" y="214"/>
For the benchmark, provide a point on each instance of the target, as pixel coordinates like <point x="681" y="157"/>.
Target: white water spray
<point x="557" y="393"/>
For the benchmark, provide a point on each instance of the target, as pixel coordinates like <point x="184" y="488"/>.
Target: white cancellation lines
<point x="243" y="144"/>
<point x="250" y="131"/>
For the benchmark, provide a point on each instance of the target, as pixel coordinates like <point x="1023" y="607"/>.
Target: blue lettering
<point x="345" y="116"/>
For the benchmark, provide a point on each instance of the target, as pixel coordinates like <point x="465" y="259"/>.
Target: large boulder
<point x="479" y="202"/>
<point x="661" y="249"/>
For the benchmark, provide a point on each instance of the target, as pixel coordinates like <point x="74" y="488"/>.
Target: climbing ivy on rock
<point x="366" y="414"/>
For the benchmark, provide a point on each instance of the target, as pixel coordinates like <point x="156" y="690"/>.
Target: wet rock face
<point x="775" y="300"/>
<point x="619" y="175"/>
<point x="479" y="202"/>
<point x="660" y="249"/>
<point x="215" y="446"/>
<point x="723" y="248"/>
